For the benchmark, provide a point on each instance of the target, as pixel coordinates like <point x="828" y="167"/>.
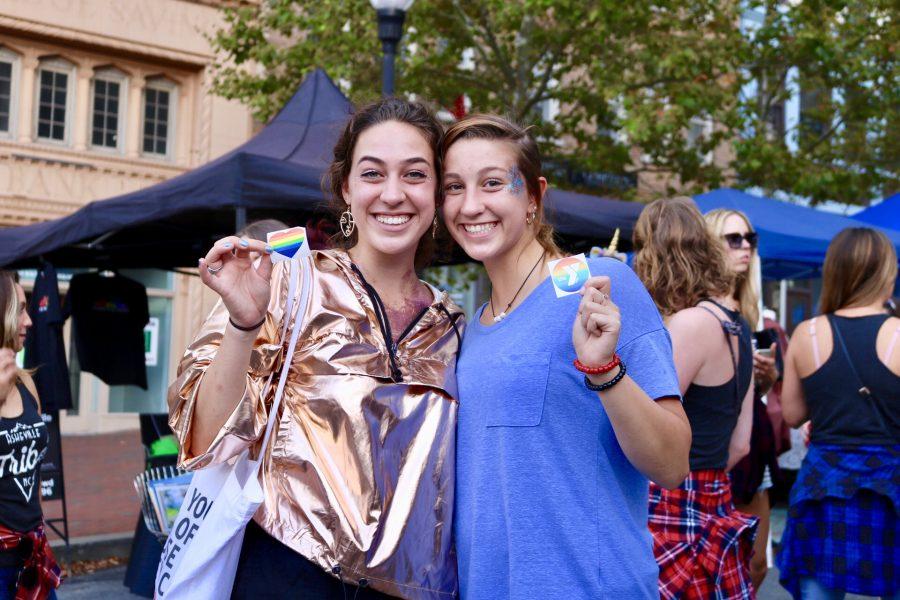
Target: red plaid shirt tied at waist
<point x="40" y="574"/>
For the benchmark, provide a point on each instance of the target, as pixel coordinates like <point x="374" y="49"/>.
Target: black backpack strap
<point x="729" y="328"/>
<point x="864" y="390"/>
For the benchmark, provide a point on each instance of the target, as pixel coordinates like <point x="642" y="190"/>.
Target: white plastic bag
<point x="200" y="556"/>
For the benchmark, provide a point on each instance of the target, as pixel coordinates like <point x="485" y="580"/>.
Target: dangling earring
<point x="529" y="220"/>
<point x="348" y="223"/>
<point x="434" y="227"/>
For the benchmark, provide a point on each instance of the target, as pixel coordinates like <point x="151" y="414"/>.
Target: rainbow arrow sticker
<point x="288" y="244"/>
<point x="569" y="274"/>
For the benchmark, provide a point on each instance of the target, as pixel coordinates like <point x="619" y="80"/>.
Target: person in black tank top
<point x="701" y="543"/>
<point x="752" y="476"/>
<point x="842" y="373"/>
<point x="713" y="410"/>
<point x="27" y="564"/>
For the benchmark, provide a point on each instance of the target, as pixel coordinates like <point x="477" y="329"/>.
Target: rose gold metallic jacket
<point x="359" y="469"/>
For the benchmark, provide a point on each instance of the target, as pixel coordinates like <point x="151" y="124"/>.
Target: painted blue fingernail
<point x="227" y="245"/>
<point x="244" y="243"/>
<point x="269" y="249"/>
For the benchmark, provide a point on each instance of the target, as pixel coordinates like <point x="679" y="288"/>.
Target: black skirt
<point x="268" y="569"/>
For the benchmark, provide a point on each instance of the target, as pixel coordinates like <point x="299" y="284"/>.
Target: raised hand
<point x="765" y="370"/>
<point x="595" y="332"/>
<point x="228" y="270"/>
<point x="8" y="373"/>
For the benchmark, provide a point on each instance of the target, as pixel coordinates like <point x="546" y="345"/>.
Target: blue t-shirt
<point x="547" y="504"/>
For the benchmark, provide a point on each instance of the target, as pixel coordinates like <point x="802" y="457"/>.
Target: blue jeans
<point x="810" y="589"/>
<point x="8" y="578"/>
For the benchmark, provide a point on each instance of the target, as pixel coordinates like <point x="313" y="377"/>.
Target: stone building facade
<point x="100" y="98"/>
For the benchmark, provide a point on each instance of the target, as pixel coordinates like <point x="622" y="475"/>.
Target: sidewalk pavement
<point x="103" y="508"/>
<point x="108" y="585"/>
<point x="99" y="471"/>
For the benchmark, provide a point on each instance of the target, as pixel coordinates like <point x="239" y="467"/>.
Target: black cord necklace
<point x="503" y="315"/>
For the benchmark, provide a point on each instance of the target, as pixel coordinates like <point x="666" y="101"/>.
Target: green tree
<point x="842" y="58"/>
<point x="641" y="88"/>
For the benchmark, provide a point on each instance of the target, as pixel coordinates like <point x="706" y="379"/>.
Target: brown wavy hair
<point x="677" y="258"/>
<point x="414" y="114"/>
<point x="860" y="267"/>
<point x="528" y="160"/>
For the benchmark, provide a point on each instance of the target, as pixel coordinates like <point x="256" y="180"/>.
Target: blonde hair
<point x="860" y="267"/>
<point x="9" y="310"/>
<point x="677" y="257"/>
<point x="528" y="160"/>
<point x="746" y="290"/>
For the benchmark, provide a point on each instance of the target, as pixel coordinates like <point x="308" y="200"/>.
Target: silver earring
<point x="434" y="227"/>
<point x="348" y="223"/>
<point x="529" y="220"/>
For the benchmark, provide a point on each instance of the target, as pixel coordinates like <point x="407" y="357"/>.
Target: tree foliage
<point x="842" y="59"/>
<point x="637" y="88"/>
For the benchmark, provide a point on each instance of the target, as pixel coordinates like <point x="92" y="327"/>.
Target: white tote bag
<point x="200" y="557"/>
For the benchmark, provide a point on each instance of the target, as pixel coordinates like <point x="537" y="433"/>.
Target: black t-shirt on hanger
<point x="44" y="347"/>
<point x="109" y="315"/>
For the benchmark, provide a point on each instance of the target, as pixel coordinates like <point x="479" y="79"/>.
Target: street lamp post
<point x="391" y="14"/>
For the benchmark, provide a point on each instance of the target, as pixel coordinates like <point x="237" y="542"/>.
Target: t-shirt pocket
<point x="518" y="386"/>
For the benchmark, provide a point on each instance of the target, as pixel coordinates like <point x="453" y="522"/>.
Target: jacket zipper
<point x="385" y="325"/>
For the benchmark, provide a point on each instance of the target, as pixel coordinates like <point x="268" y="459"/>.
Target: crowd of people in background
<point x="618" y="441"/>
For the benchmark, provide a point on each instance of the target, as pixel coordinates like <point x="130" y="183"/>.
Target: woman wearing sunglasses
<point x="751" y="477"/>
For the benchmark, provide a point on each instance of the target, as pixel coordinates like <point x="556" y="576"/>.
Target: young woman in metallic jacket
<point x="358" y="477"/>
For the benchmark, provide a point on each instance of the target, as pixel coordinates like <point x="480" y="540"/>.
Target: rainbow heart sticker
<point x="288" y="244"/>
<point x="569" y="274"/>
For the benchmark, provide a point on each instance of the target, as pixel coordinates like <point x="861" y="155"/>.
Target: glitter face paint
<point x="516" y="183"/>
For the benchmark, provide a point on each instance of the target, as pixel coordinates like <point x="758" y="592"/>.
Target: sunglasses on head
<point x="736" y="240"/>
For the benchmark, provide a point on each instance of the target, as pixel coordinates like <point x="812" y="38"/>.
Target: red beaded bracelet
<point x="615" y="362"/>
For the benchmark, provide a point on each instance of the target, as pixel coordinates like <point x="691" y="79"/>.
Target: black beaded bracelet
<point x="242" y="328"/>
<point x="605" y="386"/>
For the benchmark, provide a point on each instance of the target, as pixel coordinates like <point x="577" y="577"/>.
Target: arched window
<point x="160" y="102"/>
<point x="109" y="90"/>
<point x="55" y="100"/>
<point x="10" y="66"/>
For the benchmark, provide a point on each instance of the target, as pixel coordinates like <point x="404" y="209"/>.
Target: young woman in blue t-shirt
<point x="553" y="454"/>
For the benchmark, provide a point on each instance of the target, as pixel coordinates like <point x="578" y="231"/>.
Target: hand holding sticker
<point x="569" y="274"/>
<point x="595" y="332"/>
<point x="288" y="244"/>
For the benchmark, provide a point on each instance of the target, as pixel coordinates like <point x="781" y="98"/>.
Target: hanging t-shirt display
<point x="44" y="347"/>
<point x="109" y="315"/>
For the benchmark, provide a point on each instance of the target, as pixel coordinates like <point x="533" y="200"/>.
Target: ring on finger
<point x="214" y="271"/>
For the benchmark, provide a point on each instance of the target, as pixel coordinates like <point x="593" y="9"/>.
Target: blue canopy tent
<point x="884" y="214"/>
<point x="276" y="174"/>
<point x="793" y="239"/>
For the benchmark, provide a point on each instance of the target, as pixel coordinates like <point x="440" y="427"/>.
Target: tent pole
<point x="240" y="218"/>
<point x="782" y="303"/>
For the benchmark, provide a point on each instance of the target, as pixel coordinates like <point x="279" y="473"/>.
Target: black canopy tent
<point x="276" y="174"/>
